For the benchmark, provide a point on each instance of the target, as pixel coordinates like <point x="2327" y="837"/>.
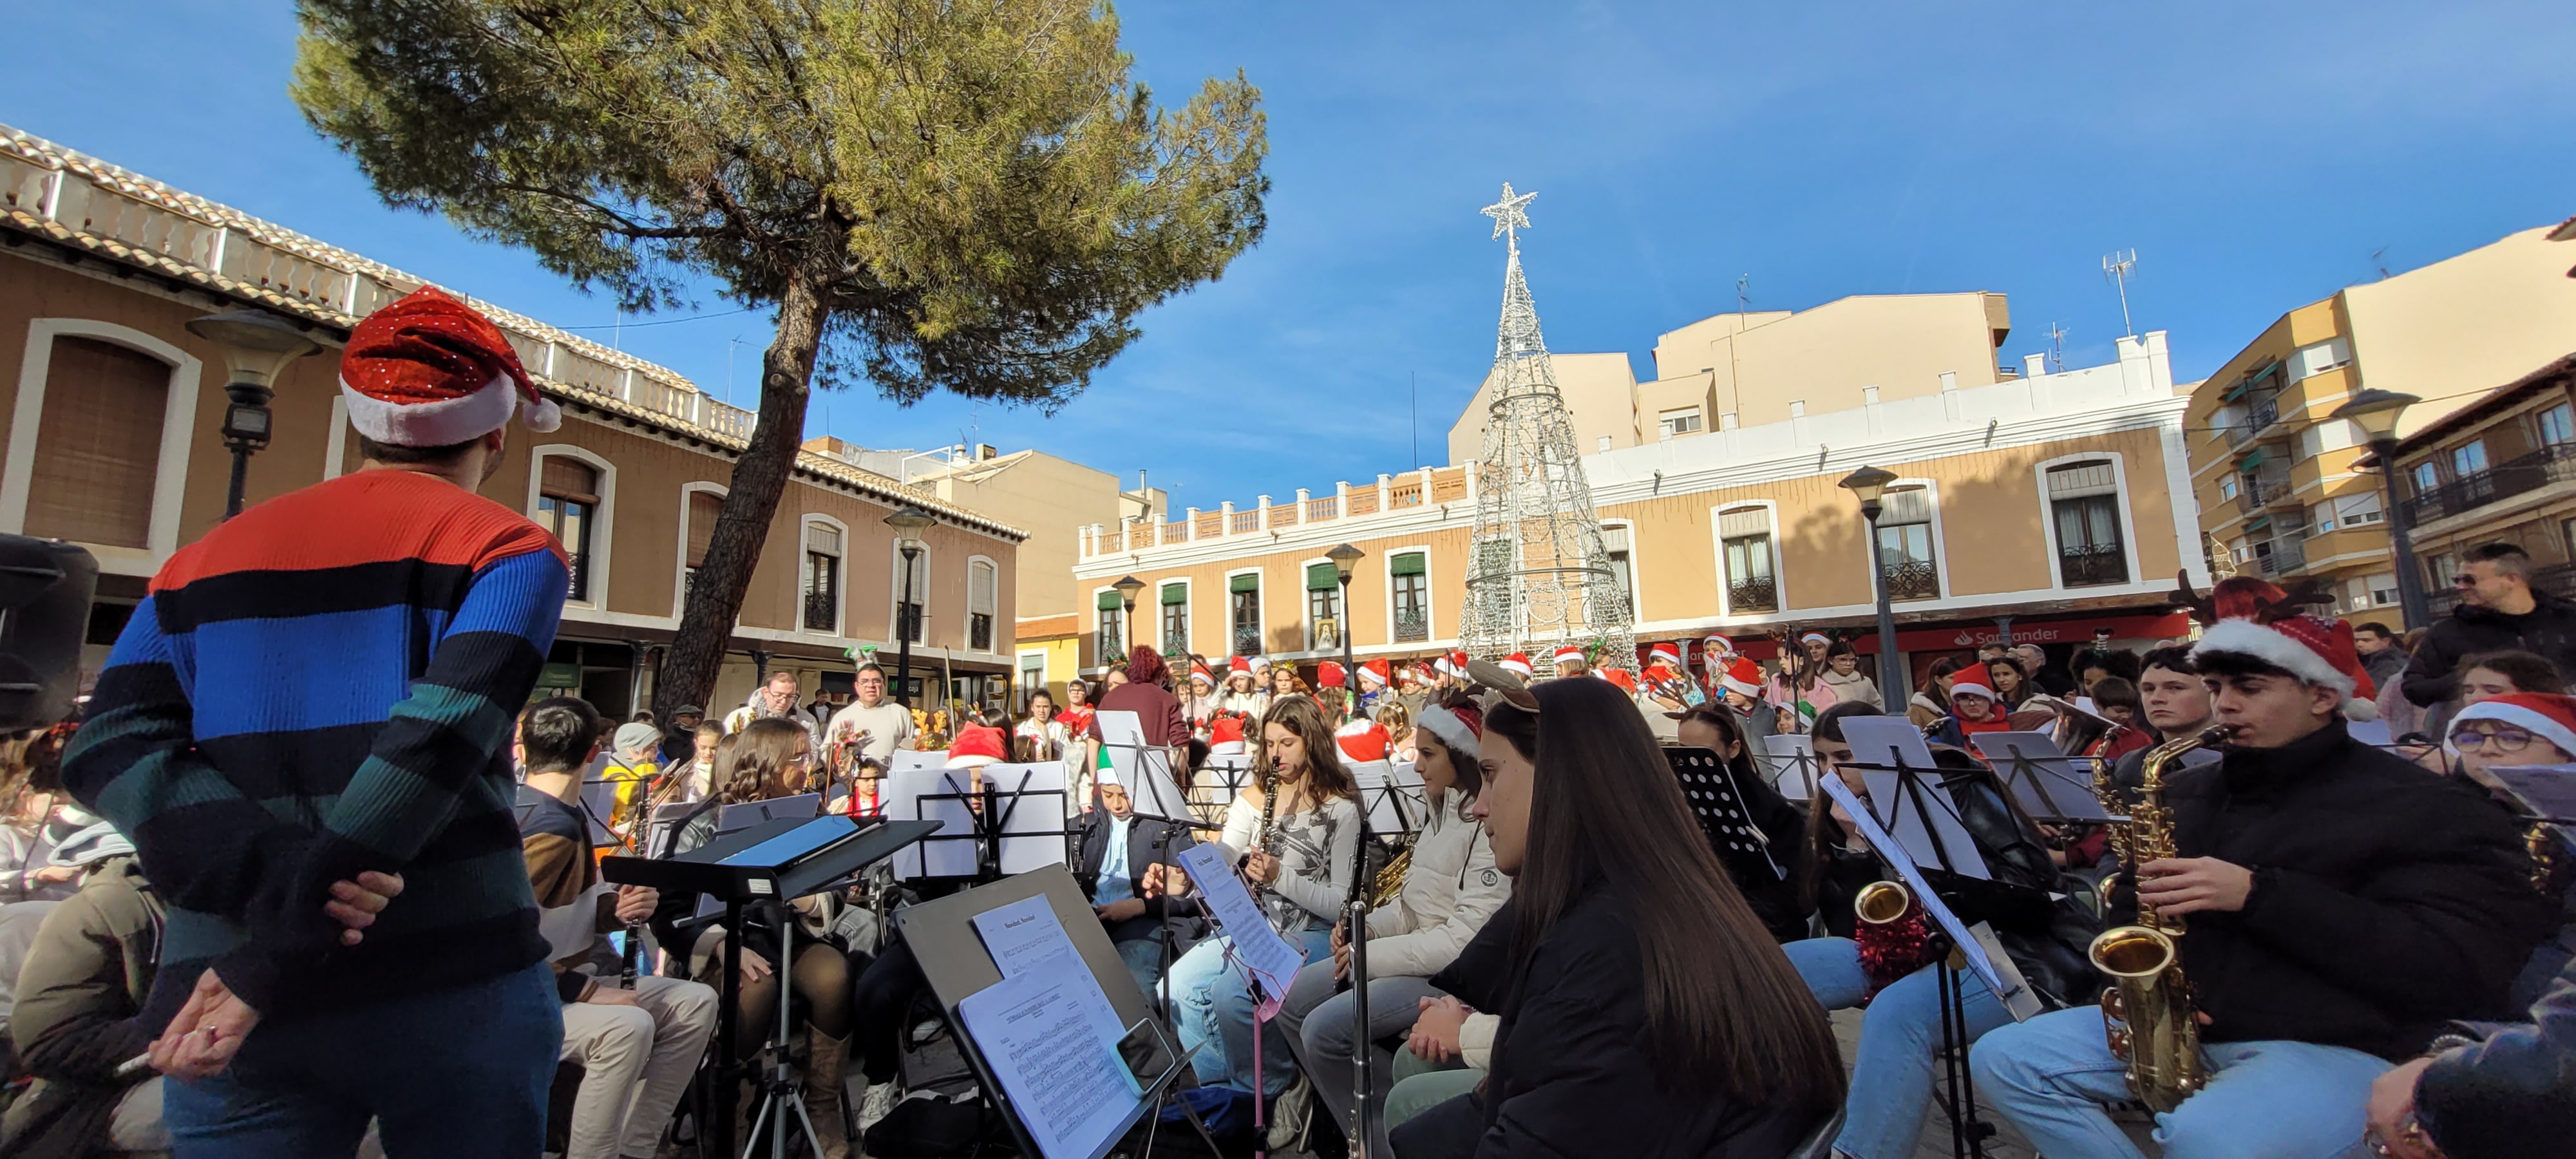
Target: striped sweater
<point x="325" y="685"/>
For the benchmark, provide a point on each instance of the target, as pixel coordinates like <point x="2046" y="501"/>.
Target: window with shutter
<point x="982" y="598"/>
<point x="822" y="587"/>
<point x="568" y="504"/>
<point x="98" y="444"/>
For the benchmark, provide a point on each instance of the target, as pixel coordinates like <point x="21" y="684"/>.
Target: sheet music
<point x="1708" y="787"/>
<point x="1022" y="934"/>
<point x="2041" y="776"/>
<point x="916" y="759"/>
<point x="1273" y="961"/>
<point x="1051" y="1038"/>
<point x="1890" y="851"/>
<point x="931" y="857"/>
<point x="1375" y="781"/>
<point x="1927" y="824"/>
<point x="1032" y="824"/>
<point x="1794" y="755"/>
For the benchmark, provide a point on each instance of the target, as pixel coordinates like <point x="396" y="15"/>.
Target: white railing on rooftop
<point x="1349" y="504"/>
<point x="154" y="221"/>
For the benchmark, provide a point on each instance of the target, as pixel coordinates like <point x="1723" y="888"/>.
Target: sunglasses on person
<point x="2505" y="737"/>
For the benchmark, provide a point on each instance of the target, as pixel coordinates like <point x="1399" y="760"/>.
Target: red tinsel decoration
<point x="1892" y="950"/>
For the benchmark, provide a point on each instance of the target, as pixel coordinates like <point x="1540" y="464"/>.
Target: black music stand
<point x="2042" y="778"/>
<point x="782" y="865"/>
<point x="1162" y="799"/>
<point x="957" y="965"/>
<point x="1709" y="788"/>
<point x="989" y="811"/>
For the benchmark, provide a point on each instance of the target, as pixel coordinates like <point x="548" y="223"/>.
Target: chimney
<point x="2034" y="365"/>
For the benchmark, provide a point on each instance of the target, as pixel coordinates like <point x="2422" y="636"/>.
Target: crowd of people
<point x="314" y="872"/>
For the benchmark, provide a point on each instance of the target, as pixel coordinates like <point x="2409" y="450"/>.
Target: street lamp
<point x="1127" y="587"/>
<point x="257" y="345"/>
<point x="2374" y="413"/>
<point x="907" y="524"/>
<point x="1868" y="485"/>
<point x="1343" y="557"/>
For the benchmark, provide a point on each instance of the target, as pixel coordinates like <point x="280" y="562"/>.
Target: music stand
<point x="1383" y="810"/>
<point x="2042" y="778"/>
<point x="1792" y="754"/>
<point x="957" y="965"/>
<point x="2543" y="793"/>
<point x="1893" y="761"/>
<point x="1709" y="788"/>
<point x="769" y="862"/>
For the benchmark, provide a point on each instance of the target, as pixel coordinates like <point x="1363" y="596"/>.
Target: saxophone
<point x="2146" y="1012"/>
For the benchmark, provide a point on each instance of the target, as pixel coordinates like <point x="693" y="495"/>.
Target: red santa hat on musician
<point x="2258" y="620"/>
<point x="1225" y="736"/>
<point x="976" y="746"/>
<point x="1459" y="729"/>
<point x="428" y="371"/>
<point x="1517" y="664"/>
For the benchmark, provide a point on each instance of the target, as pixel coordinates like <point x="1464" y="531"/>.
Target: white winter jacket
<point x="1449" y="891"/>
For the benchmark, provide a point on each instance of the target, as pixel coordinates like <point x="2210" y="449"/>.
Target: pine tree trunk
<point x="689" y="669"/>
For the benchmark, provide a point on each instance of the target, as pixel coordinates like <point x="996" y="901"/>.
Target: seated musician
<point x="1301" y="875"/>
<point x="638" y="1048"/>
<point x="1643" y="1011"/>
<point x="1119" y="849"/>
<point x="774" y="757"/>
<point x="1774" y="899"/>
<point x="2177" y="705"/>
<point x="2341" y="906"/>
<point x="2525" y="728"/>
<point x="1889" y="963"/>
<point x="2489" y="1091"/>
<point x="1450" y="888"/>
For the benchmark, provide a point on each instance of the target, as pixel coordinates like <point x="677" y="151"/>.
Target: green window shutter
<point x="1109" y="601"/>
<point x="1247" y="582"/>
<point x="1176" y="593"/>
<point x="1322" y="575"/>
<point x="1411" y="563"/>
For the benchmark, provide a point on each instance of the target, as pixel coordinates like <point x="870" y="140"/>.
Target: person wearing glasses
<point x="2498" y="610"/>
<point x="2519" y="728"/>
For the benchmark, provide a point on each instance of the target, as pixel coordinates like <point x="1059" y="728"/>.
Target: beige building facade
<point x="2278" y="481"/>
<point x="114" y="411"/>
<point x="2042" y="505"/>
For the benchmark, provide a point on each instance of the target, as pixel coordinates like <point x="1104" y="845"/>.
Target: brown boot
<point x="824" y="1061"/>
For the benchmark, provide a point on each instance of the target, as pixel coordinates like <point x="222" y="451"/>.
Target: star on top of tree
<point x="1507" y="213"/>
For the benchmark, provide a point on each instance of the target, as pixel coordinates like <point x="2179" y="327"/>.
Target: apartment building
<point x="2279" y="482"/>
<point x="115" y="414"/>
<point x="2501" y="469"/>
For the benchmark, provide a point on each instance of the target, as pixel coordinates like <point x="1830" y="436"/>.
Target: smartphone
<point x="1148" y="1056"/>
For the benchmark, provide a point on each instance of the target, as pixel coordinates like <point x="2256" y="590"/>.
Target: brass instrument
<point x="2542" y="845"/>
<point x="1390" y="876"/>
<point x="2146" y="1012"/>
<point x="1882" y="902"/>
<point x="1893" y="937"/>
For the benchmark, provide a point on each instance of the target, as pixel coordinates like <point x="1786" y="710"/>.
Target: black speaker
<point x="45" y="590"/>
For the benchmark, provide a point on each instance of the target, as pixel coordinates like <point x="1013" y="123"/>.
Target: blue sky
<point x="2256" y="156"/>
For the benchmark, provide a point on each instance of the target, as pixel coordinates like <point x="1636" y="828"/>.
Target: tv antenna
<point x="2375" y="260"/>
<point x="2117" y="266"/>
<point x="2057" y="347"/>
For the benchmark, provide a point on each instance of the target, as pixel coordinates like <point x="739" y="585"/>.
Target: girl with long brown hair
<point x="1301" y="875"/>
<point x="772" y="758"/>
<point x="1644" y="1012"/>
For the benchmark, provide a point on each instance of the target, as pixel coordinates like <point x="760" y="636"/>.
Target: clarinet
<point x="634" y="952"/>
<point x="1356" y="913"/>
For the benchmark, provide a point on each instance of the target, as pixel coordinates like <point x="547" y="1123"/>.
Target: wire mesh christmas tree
<point x="1538" y="571"/>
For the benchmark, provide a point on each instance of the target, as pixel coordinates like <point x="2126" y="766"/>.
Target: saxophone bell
<point x="1882" y="902"/>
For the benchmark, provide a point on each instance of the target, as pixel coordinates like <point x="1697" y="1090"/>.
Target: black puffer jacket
<point x="2548" y="629"/>
<point x="2386" y="901"/>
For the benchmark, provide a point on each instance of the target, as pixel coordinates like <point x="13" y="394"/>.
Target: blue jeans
<point x="2265" y="1100"/>
<point x="1900" y="1036"/>
<point x="1144" y="959"/>
<point x="1215" y="1016"/>
<point x="462" y="1071"/>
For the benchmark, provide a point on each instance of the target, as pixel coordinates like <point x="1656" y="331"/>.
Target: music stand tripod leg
<point x="781" y="1087"/>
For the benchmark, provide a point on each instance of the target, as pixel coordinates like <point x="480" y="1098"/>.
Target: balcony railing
<point x="2258" y="415"/>
<point x="2085" y="564"/>
<point x="1412" y="627"/>
<point x="822" y="610"/>
<point x="2285" y="557"/>
<point x="1247" y="640"/>
<point x="1389" y="496"/>
<point x="979" y="631"/>
<point x="1913" y="579"/>
<point x="2550" y="464"/>
<point x="1754" y="594"/>
<point x="2263" y="491"/>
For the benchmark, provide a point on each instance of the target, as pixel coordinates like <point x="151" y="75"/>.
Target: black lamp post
<point x="2374" y="413"/>
<point x="1343" y="557"/>
<point x="257" y="345"/>
<point x="907" y="523"/>
<point x="1127" y="587"/>
<point x="1867" y="485"/>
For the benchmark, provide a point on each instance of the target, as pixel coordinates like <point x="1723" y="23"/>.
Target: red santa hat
<point x="428" y="371"/>
<point x="1225" y="736"/>
<point x="1453" y="665"/>
<point x="1665" y="653"/>
<point x="1329" y="675"/>
<point x="2256" y="623"/>
<point x="1238" y="667"/>
<point x="1743" y="677"/>
<point x="976" y="746"/>
<point x="1719" y="645"/>
<point x="1373" y="674"/>
<point x="1413" y="673"/>
<point x="1362" y="740"/>
<point x="2546" y="715"/>
<point x="1457" y="728"/>
<point x="1620" y="677"/>
<point x="1569" y="654"/>
<point x="1517" y="664"/>
<point x="1959" y="688"/>
<point x="1199" y="672"/>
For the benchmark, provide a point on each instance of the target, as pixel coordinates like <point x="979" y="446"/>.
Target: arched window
<point x="568" y="505"/>
<point x="98" y="444"/>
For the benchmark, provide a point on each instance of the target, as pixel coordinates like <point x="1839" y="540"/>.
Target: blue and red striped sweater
<point x="324" y="685"/>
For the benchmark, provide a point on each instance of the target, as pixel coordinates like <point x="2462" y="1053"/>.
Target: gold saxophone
<point x="1390" y="877"/>
<point x="2146" y="1012"/>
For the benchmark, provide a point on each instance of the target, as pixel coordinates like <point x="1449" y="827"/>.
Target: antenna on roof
<point x="2375" y="256"/>
<point x="2116" y="266"/>
<point x="2057" y="347"/>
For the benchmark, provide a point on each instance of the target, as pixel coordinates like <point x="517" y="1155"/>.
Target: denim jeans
<point x="1215" y="1015"/>
<point x="1900" y="1038"/>
<point x="1315" y="1022"/>
<point x="2265" y="1100"/>
<point x="462" y="1071"/>
<point x="1144" y="959"/>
